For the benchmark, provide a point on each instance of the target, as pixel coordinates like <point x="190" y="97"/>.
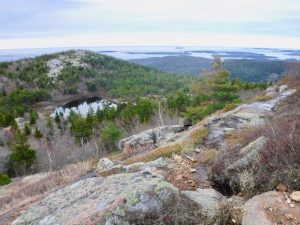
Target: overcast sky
<point x="220" y="23"/>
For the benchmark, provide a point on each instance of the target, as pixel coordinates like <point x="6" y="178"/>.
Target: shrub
<point x="28" y="97"/>
<point x="27" y="130"/>
<point x="4" y="179"/>
<point x="6" y="118"/>
<point x="111" y="134"/>
<point x="80" y="128"/>
<point x="91" y="86"/>
<point x="72" y="90"/>
<point x="33" y="117"/>
<point x="38" y="133"/>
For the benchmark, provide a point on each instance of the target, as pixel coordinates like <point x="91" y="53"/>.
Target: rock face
<point x="248" y="154"/>
<point x="267" y="208"/>
<point x="121" y="199"/>
<point x="148" y="139"/>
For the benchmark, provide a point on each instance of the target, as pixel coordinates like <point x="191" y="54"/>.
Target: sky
<point x="210" y="23"/>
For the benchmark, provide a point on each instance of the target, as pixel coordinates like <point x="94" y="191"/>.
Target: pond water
<point x="82" y="108"/>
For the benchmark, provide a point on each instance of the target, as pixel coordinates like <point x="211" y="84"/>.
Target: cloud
<point x="29" y="19"/>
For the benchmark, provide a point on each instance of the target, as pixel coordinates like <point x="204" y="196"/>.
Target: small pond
<point x="82" y="106"/>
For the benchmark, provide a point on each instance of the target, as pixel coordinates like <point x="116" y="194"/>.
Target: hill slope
<point x="181" y="177"/>
<point x="83" y="72"/>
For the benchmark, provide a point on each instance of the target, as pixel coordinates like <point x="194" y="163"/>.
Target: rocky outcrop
<point x="270" y="208"/>
<point x="55" y="67"/>
<point x="148" y="139"/>
<point x="249" y="114"/>
<point x="121" y="199"/>
<point x="248" y="154"/>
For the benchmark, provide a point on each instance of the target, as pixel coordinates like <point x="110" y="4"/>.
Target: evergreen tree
<point x="22" y="158"/>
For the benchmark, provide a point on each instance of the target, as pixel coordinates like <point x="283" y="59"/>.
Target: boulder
<point x="281" y="187"/>
<point x="135" y="167"/>
<point x="151" y="167"/>
<point x="116" y="169"/>
<point x="258" y="209"/>
<point x="295" y="196"/>
<point x="272" y="91"/>
<point x="104" y="164"/>
<point x="20" y="122"/>
<point x="149" y="139"/>
<point x="283" y="88"/>
<point x="122" y="199"/>
<point x="155" y="164"/>
<point x="207" y="199"/>
<point x="185" y="122"/>
<point x="248" y="154"/>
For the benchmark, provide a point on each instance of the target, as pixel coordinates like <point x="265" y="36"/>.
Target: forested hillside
<point x="77" y="72"/>
<point x="246" y="70"/>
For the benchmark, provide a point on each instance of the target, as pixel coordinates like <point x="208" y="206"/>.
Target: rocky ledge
<point x="134" y="198"/>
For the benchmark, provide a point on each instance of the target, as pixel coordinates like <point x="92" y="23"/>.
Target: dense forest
<point x="245" y="69"/>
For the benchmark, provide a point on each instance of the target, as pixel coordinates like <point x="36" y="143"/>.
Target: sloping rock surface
<point x="249" y="114"/>
<point x="134" y="198"/>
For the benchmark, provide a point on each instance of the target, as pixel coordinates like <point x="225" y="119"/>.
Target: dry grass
<point x="164" y="151"/>
<point x="262" y="97"/>
<point x="229" y="107"/>
<point x="208" y="156"/>
<point x="243" y="136"/>
<point x="293" y="75"/>
<point x="116" y="156"/>
<point x="193" y="137"/>
<point x="278" y="162"/>
<point x="229" y="211"/>
<point x="196" y="136"/>
<point x="24" y="191"/>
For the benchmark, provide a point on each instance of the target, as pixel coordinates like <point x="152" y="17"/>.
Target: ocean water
<point x="140" y="52"/>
